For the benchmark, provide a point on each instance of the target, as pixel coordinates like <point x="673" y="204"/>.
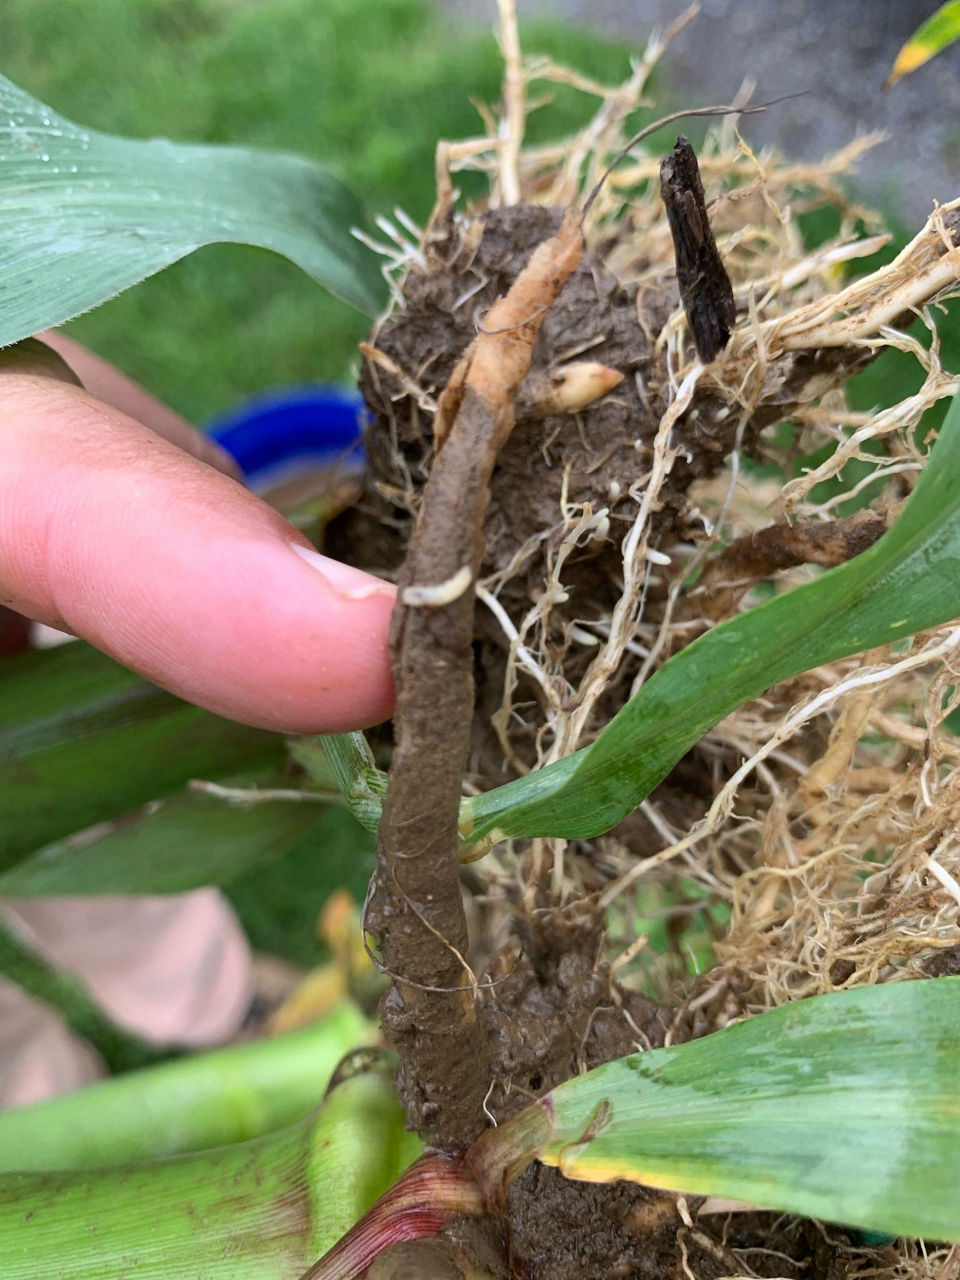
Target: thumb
<point x="177" y="571"/>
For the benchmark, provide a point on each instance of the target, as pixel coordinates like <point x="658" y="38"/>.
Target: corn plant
<point x="841" y="1106"/>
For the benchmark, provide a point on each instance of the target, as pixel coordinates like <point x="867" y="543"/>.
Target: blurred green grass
<point x="366" y="86"/>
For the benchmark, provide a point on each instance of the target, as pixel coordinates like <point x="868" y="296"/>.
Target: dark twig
<point x="705" y="289"/>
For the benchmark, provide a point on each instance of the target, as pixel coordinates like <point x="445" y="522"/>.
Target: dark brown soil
<point x="557" y="1012"/>
<point x="606" y="444"/>
<point x="561" y="1230"/>
<point x="944" y="964"/>
<point x="418" y="1260"/>
<point x="431" y="1012"/>
<point x="555" y="1229"/>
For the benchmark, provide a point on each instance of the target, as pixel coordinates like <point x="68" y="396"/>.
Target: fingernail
<point x="346" y="581"/>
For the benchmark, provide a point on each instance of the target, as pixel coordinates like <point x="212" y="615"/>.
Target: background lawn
<point x="366" y="86"/>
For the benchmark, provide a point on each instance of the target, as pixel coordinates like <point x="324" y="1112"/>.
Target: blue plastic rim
<point x="292" y="429"/>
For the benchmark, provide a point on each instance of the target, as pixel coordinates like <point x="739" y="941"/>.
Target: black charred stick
<point x="705" y="289"/>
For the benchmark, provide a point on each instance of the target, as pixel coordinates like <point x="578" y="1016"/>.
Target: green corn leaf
<point x="940" y="30"/>
<point x="843" y="1107"/>
<point x="82" y="740"/>
<point x="259" y="1210"/>
<point x="279" y="904"/>
<point x="906" y="582"/>
<point x="189" y="840"/>
<point x="84" y="215"/>
<point x="191" y="1104"/>
<point x="348" y="759"/>
<point x="121" y="1050"/>
<point x="239" y="1212"/>
<point x="361" y="1147"/>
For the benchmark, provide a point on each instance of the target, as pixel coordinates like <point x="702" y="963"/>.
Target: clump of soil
<point x="555" y="1010"/>
<point x="555" y="468"/>
<point x="562" y="1230"/>
<point x="568" y="1230"/>
<point x="590" y="461"/>
<point x="594" y="456"/>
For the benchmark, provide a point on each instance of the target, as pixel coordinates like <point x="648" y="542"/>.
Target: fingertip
<point x="239" y="617"/>
<point x="180" y="573"/>
<point x="311" y="651"/>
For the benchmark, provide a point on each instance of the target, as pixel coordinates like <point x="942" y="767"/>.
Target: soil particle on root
<point x="553" y="1228"/>
<point x="480" y="1242"/>
<point x="944" y="964"/>
<point x="594" y="456"/>
<point x="415" y="910"/>
<point x="563" y="1230"/>
<point x="772" y="1244"/>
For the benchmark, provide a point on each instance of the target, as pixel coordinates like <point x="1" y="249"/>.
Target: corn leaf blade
<point x="85" y="215"/>
<point x="929" y="39"/>
<point x="190" y="1104"/>
<point x="82" y="740"/>
<point x="181" y="843"/>
<point x="907" y="582"/>
<point x="258" y="1210"/>
<point x="842" y="1107"/>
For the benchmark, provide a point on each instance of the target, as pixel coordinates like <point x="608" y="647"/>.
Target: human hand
<point x="121" y="524"/>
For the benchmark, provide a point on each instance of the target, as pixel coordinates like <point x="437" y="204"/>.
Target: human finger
<point x="111" y="532"/>
<point x="108" y="385"/>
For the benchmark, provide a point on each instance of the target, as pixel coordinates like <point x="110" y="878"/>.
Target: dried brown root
<point x="757" y="556"/>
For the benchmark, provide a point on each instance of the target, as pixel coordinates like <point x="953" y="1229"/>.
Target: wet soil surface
<point x="562" y="1230"/>
<point x="594" y="456"/>
<point x="555" y="1012"/>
